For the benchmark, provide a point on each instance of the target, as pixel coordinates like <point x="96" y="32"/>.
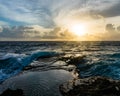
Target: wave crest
<point x="11" y="63"/>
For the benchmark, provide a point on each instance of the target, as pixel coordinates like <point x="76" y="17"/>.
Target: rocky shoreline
<point x="92" y="86"/>
<point x="9" y="92"/>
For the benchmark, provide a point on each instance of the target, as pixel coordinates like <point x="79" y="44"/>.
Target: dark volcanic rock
<point x="73" y="59"/>
<point x="92" y="86"/>
<point x="9" y="92"/>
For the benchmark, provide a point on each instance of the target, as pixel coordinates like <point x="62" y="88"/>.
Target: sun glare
<point x="79" y="29"/>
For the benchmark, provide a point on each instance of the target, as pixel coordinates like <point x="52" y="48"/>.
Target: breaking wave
<point x="11" y="63"/>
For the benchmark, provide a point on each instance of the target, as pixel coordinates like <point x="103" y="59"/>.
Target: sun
<point x="78" y="29"/>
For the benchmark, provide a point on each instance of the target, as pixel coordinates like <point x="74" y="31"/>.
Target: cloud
<point x="49" y="19"/>
<point x="25" y="12"/>
<point x="112" y="32"/>
<point x="1" y="29"/>
<point x="34" y="32"/>
<point x="118" y="28"/>
<point x="112" y="11"/>
<point x="3" y="23"/>
<point x="47" y="12"/>
<point x="110" y="28"/>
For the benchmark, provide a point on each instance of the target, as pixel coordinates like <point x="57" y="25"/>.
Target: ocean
<point x="36" y="64"/>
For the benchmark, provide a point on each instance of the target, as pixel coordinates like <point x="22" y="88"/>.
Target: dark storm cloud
<point x="113" y="32"/>
<point x="112" y="11"/>
<point x="26" y="32"/>
<point x="110" y="28"/>
<point x="14" y="32"/>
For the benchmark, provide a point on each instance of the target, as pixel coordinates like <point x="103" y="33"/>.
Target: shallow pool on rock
<point x="44" y="83"/>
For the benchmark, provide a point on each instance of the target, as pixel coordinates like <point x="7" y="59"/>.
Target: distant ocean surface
<point x="101" y="58"/>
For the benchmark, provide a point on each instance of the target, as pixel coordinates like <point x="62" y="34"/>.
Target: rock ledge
<point x="92" y="86"/>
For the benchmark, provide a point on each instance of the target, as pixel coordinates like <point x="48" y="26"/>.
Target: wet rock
<point x="92" y="86"/>
<point x="9" y="92"/>
<point x="43" y="57"/>
<point x="73" y="59"/>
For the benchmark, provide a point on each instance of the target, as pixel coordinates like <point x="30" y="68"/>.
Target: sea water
<point x="101" y="59"/>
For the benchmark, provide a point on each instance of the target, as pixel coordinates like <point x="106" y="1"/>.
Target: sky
<point x="36" y="20"/>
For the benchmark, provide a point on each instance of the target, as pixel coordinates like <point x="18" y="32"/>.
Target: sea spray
<point x="11" y="63"/>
